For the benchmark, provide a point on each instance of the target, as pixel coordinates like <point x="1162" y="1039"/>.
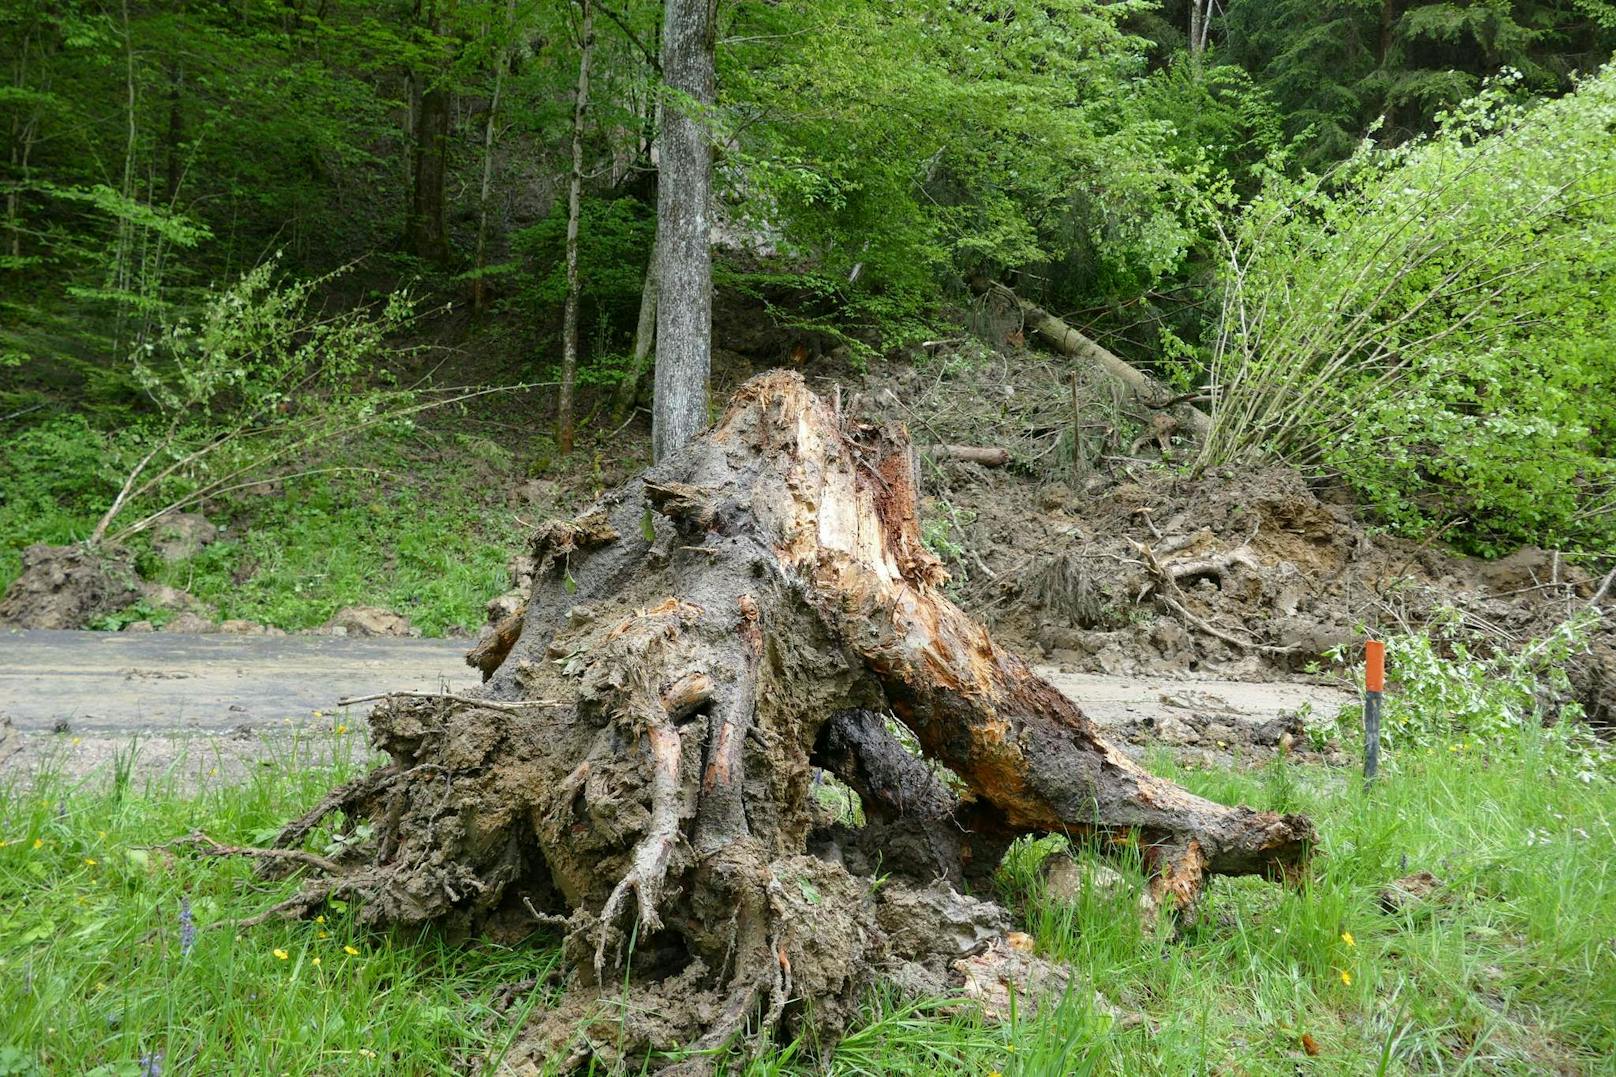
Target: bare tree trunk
<point x="479" y="285"/>
<point x="176" y="132"/>
<point x="628" y="390"/>
<point x="575" y="186"/>
<point x="638" y="771"/>
<point x="1069" y="341"/>
<point x="121" y="273"/>
<point x="22" y="144"/>
<point x="684" y="192"/>
<point x="427" y="236"/>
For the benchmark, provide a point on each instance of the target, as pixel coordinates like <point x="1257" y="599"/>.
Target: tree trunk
<point x="1069" y="341"/>
<point x="628" y="390"/>
<point x="176" y="134"/>
<point x="479" y="283"/>
<point x="639" y="769"/>
<point x="684" y="190"/>
<point x="428" y="237"/>
<point x="22" y="144"/>
<point x="575" y="187"/>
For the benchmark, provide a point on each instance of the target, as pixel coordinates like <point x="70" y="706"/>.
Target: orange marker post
<point x="1374" y="686"/>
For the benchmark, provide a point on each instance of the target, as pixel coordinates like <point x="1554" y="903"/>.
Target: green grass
<point x="1512" y="968"/>
<point x="93" y="972"/>
<point x="416" y="524"/>
<point x="430" y="548"/>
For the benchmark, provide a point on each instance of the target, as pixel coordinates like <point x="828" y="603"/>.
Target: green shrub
<point x="1449" y="694"/>
<point x="56" y="477"/>
<point x="614" y="246"/>
<point x="1433" y="325"/>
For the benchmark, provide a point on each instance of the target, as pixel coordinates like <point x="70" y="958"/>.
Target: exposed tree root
<point x="640" y="767"/>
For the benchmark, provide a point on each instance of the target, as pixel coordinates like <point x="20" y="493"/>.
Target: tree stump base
<point x="640" y="769"/>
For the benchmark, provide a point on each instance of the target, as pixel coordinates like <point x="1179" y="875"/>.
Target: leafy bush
<point x="905" y="148"/>
<point x="56" y="477"/>
<point x="1433" y="325"/>
<point x="1449" y="695"/>
<point x="257" y="376"/>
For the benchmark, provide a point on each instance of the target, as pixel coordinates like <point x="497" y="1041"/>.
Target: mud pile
<point x="1092" y="551"/>
<point x="67" y="587"/>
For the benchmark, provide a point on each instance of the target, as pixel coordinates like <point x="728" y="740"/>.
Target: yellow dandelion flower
<point x="994" y="1073"/>
<point x="89" y="861"/>
<point x="1346" y="977"/>
<point x="350" y="951"/>
<point x="342" y="729"/>
<point x="39" y="843"/>
<point x="323" y="934"/>
<point x="4" y="843"/>
<point x="281" y="954"/>
<point x="319" y="714"/>
<point x="319" y="919"/>
<point x="101" y="834"/>
<point x="316" y="962"/>
<point x="1346" y="937"/>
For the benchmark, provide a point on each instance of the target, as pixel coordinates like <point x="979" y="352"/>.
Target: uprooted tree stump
<point x="639" y="768"/>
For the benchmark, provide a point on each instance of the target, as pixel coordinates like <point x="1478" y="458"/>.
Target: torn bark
<point x="640" y="764"/>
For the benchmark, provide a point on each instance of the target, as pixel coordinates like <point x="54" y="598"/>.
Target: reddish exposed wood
<point x="491" y="650"/>
<point x="1021" y="746"/>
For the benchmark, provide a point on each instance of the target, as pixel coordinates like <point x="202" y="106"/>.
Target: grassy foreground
<point x="1511" y="967"/>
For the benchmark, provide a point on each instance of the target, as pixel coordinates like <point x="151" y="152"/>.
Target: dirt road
<point x="213" y="707"/>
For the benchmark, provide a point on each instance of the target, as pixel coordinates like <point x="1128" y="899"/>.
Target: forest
<point x="802" y="389"/>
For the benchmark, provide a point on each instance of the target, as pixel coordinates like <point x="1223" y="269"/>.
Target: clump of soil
<point x="68" y="587"/>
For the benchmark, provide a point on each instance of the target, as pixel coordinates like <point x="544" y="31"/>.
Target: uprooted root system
<point x="639" y="770"/>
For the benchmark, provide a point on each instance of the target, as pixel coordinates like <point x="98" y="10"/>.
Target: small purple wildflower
<point x="151" y="1065"/>
<point x="187" y="928"/>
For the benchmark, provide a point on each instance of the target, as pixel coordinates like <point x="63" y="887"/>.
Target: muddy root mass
<point x="639" y="771"/>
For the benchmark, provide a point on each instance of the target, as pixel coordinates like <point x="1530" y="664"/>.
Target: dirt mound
<point x="1111" y="562"/>
<point x="67" y="587"/>
<point x="1250" y="575"/>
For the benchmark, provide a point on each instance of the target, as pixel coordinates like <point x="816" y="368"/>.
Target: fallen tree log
<point x="1069" y="341"/>
<point x="640" y="767"/>
<point x="985" y="455"/>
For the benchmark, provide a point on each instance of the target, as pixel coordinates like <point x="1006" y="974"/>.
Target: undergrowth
<point x="417" y="524"/>
<point x="1508" y="967"/>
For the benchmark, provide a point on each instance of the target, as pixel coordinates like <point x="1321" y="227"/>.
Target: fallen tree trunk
<point x="1069" y="341"/>
<point x="639" y="769"/>
<point x="985" y="455"/>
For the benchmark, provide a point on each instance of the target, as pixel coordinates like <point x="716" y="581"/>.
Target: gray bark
<point x="684" y="192"/>
<point x="479" y="285"/>
<point x="575" y="185"/>
<point x="628" y="390"/>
